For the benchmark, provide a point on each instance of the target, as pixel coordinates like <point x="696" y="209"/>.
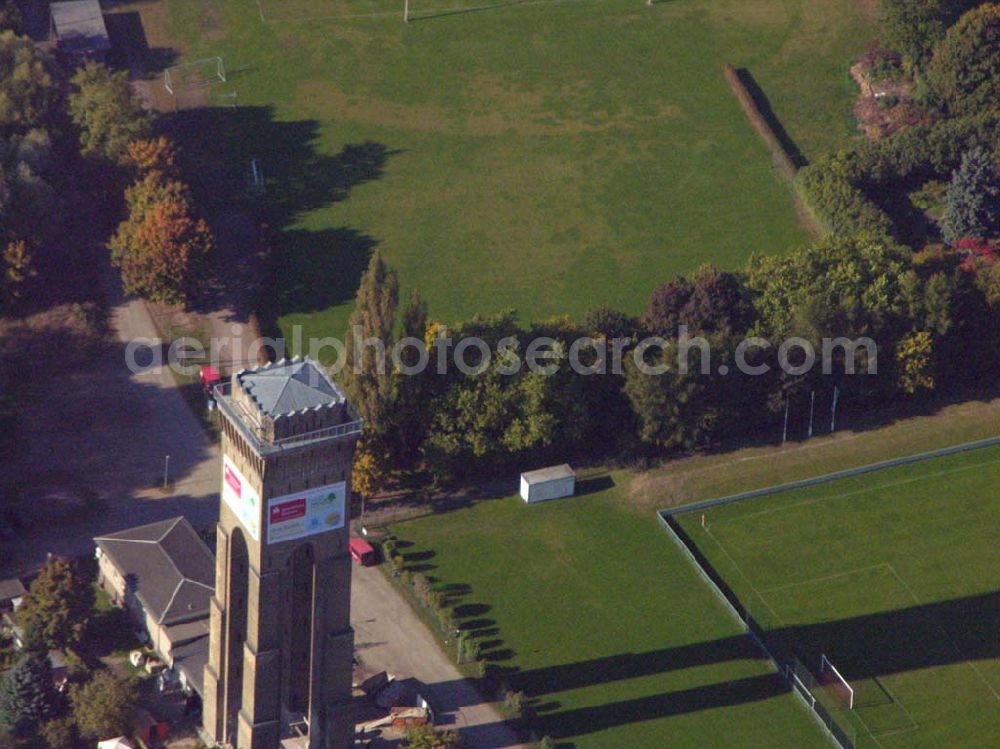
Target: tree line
<point x="932" y="315"/>
<point x="71" y="141"/>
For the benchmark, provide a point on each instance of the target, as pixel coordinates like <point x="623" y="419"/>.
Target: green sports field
<point x="892" y="575"/>
<point x="599" y="619"/>
<point x="547" y="156"/>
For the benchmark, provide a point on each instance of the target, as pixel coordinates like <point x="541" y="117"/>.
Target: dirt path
<point x="390" y="637"/>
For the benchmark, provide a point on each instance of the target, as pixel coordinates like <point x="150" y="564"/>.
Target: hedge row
<point x="838" y="206"/>
<point x="761" y="123"/>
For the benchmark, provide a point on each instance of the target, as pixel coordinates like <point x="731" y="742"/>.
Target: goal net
<point x="832" y="680"/>
<point x="195" y="74"/>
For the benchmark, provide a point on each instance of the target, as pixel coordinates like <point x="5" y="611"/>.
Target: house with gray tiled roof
<point x="163" y="574"/>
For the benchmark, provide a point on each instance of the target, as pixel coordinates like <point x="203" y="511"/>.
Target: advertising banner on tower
<point x="304" y="514"/>
<point x="241" y="497"/>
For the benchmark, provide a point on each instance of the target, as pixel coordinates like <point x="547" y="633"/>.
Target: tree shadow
<point x="894" y="642"/>
<point x="305" y="270"/>
<point x="419" y="556"/>
<point x="466" y="610"/>
<point x="767" y="112"/>
<point x="111" y="430"/>
<point x="130" y="48"/>
<point x="594" y="485"/>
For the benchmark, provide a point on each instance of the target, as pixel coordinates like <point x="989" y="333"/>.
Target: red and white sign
<point x="233" y="479"/>
<point x="290" y="510"/>
<point x="310" y="512"/>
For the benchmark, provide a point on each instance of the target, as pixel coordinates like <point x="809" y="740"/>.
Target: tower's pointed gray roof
<point x="288" y="386"/>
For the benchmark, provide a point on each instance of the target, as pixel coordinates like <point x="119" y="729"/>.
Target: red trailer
<point x="362" y="552"/>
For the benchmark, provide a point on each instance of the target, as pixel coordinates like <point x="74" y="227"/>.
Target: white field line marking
<point x="824" y="578"/>
<point x="865" y="726"/>
<point x="739" y="569"/>
<point x="897" y="731"/>
<point x="944" y="634"/>
<point x="856" y="492"/>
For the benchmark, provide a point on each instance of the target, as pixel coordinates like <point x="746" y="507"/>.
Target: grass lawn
<point x="891" y="575"/>
<point x="546" y="156"/>
<point x="602" y="623"/>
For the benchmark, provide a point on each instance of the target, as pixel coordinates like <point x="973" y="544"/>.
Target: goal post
<point x="831" y="677"/>
<point x="195" y="74"/>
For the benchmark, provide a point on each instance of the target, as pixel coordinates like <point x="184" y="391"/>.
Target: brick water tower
<point x="281" y="643"/>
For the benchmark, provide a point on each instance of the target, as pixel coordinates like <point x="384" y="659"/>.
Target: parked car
<point x="209" y="379"/>
<point x="362" y="552"/>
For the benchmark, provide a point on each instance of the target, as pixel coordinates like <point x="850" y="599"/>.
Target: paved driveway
<point x="390" y="637"/>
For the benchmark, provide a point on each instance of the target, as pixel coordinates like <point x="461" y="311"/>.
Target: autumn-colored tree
<point x="104" y="706"/>
<point x="16" y="269"/>
<point x="914" y="361"/>
<point x="58" y="604"/>
<point x="30" y="93"/>
<point x="370" y="467"/>
<point x="108" y="112"/>
<point x="712" y="300"/>
<point x="161" y="247"/>
<point x="152" y="155"/>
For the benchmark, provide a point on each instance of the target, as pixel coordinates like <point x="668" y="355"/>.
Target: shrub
<point x="839" y="207"/>
<point x="473" y="649"/>
<point x="427" y="737"/>
<point x="421" y="587"/>
<point x="514" y="701"/>
<point x="446" y="618"/>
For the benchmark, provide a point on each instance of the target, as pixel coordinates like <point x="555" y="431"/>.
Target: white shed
<point x="553" y="482"/>
<point x="117" y="743"/>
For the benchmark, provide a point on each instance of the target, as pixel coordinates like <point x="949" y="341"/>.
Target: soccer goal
<point x="195" y="74"/>
<point x="829" y="676"/>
